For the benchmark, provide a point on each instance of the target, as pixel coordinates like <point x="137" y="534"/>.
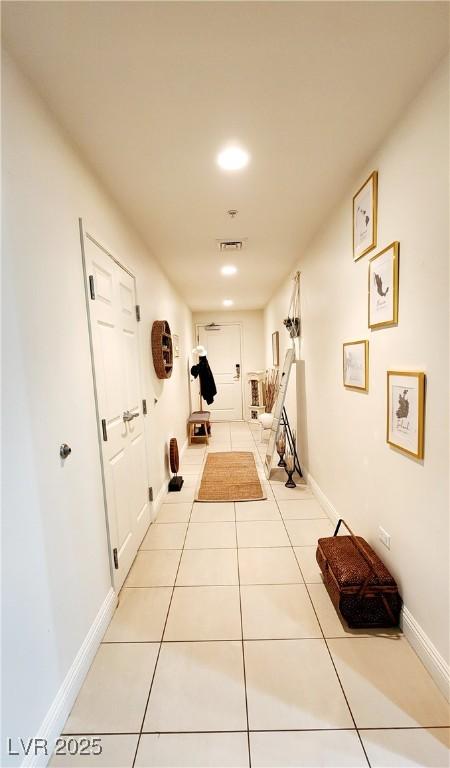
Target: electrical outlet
<point x="384" y="537"/>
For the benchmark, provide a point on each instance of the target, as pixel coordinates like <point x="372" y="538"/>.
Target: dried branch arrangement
<point x="270" y="387"/>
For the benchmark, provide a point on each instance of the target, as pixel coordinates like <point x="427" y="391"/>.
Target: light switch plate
<point x="384" y="537"/>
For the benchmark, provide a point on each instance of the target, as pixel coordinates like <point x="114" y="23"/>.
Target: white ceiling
<point x="151" y="91"/>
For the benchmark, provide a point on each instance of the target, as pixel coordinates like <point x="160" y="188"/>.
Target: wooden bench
<point x="199" y="419"/>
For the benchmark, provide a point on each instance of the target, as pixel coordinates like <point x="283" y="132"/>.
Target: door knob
<point x="65" y="450"/>
<point x="128" y="416"/>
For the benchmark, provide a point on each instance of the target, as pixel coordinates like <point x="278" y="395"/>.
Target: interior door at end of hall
<point x="223" y="345"/>
<point x="119" y="401"/>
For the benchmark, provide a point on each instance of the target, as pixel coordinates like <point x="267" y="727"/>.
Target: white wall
<point x="55" y="560"/>
<point x="343" y="432"/>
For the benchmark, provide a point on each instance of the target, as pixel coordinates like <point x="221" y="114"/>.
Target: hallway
<point x="225" y="644"/>
<point x="234" y="213"/>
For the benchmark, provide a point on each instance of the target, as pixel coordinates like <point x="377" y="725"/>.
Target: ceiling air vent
<point x="230" y="245"/>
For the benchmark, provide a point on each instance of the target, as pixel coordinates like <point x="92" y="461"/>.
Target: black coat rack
<point x="284" y="422"/>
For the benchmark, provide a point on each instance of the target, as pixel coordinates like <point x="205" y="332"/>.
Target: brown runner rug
<point x="230" y="476"/>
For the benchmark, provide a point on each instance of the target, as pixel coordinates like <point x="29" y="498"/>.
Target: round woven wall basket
<point x="173" y="455"/>
<point x="162" y="350"/>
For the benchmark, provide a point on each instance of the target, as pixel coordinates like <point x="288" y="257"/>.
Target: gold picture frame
<point x="405" y="423"/>
<point x="356" y="376"/>
<point x="276" y="349"/>
<point x="383" y="287"/>
<point x="365" y="217"/>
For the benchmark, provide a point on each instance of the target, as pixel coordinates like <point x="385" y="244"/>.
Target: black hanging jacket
<point x="207" y="384"/>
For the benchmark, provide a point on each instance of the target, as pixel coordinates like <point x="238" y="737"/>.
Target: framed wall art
<point x="406" y="412"/>
<point x="365" y="207"/>
<point x="276" y="349"/>
<point x="383" y="287"/>
<point x="355" y="361"/>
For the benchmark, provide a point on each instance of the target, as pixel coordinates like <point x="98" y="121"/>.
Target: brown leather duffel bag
<point x="359" y="584"/>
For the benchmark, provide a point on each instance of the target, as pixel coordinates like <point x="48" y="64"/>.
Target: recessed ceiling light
<point x="232" y="158"/>
<point x="228" y="302"/>
<point x="229" y="269"/>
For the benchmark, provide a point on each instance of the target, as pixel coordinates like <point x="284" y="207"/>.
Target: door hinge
<point x="115" y="558"/>
<point x="91" y="286"/>
<point x="150" y="494"/>
<point x="104" y="432"/>
<point x="138" y="312"/>
<point x="144" y="407"/>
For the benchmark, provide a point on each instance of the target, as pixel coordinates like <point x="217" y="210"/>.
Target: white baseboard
<point x="157" y="502"/>
<point x="159" y="498"/>
<point x="64" y="700"/>
<point x="426" y="651"/>
<point x="419" y="640"/>
<point x="185" y="445"/>
<point x="323" y="500"/>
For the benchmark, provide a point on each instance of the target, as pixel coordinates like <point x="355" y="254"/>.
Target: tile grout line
<point x="325" y="639"/>
<point x="247" y="584"/>
<point x="227" y="520"/>
<point x="242" y="642"/>
<point x="345" y="696"/>
<point x="320" y="625"/>
<point x="247" y="639"/>
<point x="266" y="730"/>
<point x="326" y="645"/>
<point x="199" y="549"/>
<point x="160" y="645"/>
<point x="242" y="625"/>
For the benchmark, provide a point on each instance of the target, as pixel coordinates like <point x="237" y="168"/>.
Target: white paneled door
<point x="113" y="322"/>
<point x="223" y="344"/>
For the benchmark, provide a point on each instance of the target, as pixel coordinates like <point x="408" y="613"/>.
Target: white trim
<point x="106" y="249"/>
<point x="159" y="499"/>
<point x="418" y="639"/>
<point x="426" y="651"/>
<point x="185" y="445"/>
<point x="323" y="500"/>
<point x="163" y="490"/>
<point x="62" y="704"/>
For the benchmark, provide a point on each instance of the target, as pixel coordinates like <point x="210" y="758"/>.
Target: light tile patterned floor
<point x="225" y="649"/>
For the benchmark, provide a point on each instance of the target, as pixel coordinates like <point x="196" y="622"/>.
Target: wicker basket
<point x="162" y="350"/>
<point x="359" y="584"/>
